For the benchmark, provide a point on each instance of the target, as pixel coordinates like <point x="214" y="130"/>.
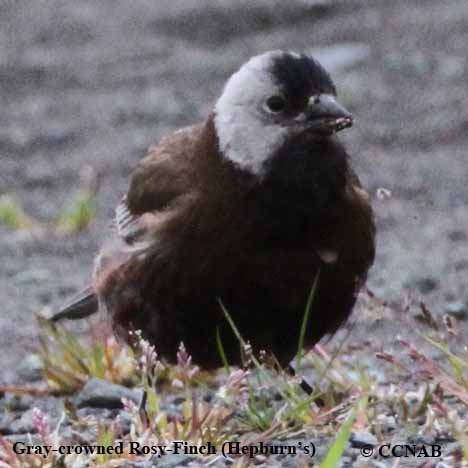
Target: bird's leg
<point x="303" y="383"/>
<point x="142" y="408"/>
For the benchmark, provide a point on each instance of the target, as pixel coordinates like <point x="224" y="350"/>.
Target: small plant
<point x="77" y="213"/>
<point x="80" y="209"/>
<point x="12" y="214"/>
<point x="68" y="364"/>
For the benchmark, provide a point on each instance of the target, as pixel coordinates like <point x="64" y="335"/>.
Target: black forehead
<point x="300" y="76"/>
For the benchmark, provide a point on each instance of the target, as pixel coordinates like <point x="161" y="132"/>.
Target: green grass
<point x="68" y="363"/>
<point x="335" y="452"/>
<point x="305" y="323"/>
<point x="221" y="352"/>
<point x="257" y="402"/>
<point x="12" y="214"/>
<point x="77" y="213"/>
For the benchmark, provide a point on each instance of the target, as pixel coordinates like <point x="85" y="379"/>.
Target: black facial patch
<point x="299" y="78"/>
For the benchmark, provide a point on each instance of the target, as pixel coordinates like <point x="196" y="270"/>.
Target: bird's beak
<point x="325" y="114"/>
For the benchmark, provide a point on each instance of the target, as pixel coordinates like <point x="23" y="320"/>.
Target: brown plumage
<point x="202" y="224"/>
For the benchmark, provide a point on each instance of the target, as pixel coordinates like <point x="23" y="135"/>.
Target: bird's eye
<point x="275" y="103"/>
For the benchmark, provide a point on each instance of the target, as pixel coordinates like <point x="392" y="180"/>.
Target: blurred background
<point x="86" y="87"/>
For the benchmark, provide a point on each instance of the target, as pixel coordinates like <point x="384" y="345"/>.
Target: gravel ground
<point x="95" y="83"/>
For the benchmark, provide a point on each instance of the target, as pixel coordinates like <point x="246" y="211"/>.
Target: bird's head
<point x="271" y="99"/>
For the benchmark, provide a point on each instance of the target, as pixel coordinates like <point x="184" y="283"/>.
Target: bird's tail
<point x="81" y="305"/>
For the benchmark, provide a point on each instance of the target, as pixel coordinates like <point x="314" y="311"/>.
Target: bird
<point x="243" y="212"/>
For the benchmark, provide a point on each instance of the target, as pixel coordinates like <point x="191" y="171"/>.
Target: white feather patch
<point x="246" y="136"/>
<point x="327" y="256"/>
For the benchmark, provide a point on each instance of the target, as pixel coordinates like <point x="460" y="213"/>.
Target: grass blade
<point x="237" y="334"/>
<point x="305" y="321"/>
<point x="335" y="452"/>
<point x="221" y="352"/>
<point x="12" y="215"/>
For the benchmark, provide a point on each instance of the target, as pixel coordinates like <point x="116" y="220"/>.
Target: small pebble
<point x="30" y="368"/>
<point x="172" y="460"/>
<point x="457" y="309"/>
<point x="24" y="424"/>
<point x="98" y="393"/>
<point x="363" y="439"/>
<point x="424" y="284"/>
<point x="18" y="402"/>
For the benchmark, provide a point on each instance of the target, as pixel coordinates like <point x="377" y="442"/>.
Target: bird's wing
<point x="161" y="178"/>
<point x="158" y="181"/>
